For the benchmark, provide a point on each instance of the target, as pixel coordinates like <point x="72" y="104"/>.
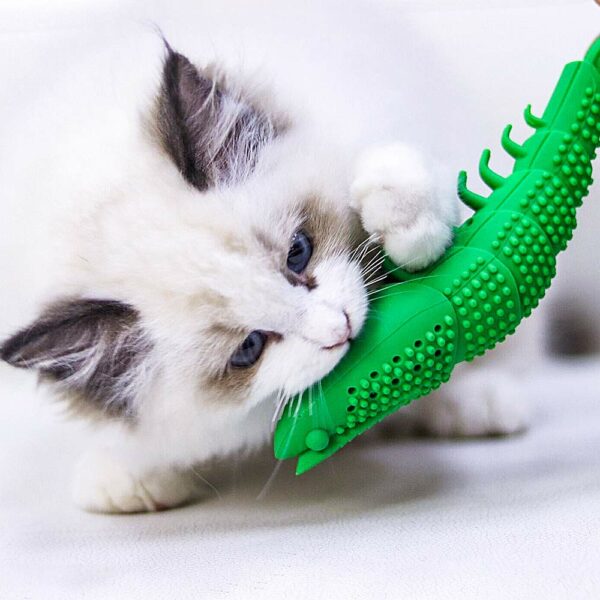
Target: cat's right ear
<point x="212" y="133"/>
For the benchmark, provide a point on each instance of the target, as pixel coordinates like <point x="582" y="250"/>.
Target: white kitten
<point x="209" y="274"/>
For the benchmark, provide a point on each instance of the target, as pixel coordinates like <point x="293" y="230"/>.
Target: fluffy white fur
<point x="418" y="233"/>
<point x="131" y="228"/>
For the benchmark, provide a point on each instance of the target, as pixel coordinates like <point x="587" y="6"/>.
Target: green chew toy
<point x="502" y="261"/>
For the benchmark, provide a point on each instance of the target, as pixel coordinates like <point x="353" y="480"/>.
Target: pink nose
<point x="345" y="335"/>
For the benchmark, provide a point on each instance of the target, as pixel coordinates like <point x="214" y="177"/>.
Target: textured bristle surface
<point x="486" y="304"/>
<point x="414" y="371"/>
<point x="534" y="231"/>
<point x="556" y="197"/>
<point x="529" y="255"/>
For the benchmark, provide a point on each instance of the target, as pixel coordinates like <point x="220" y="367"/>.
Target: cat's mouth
<point x="338" y="345"/>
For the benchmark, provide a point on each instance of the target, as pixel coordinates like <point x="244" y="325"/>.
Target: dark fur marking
<point x="188" y="108"/>
<point x="182" y="95"/>
<point x="309" y="281"/>
<point x="87" y="347"/>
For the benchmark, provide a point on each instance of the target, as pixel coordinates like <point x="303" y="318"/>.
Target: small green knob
<point x="317" y="440"/>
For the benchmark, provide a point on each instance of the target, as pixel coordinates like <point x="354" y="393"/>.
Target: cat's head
<point x="219" y="264"/>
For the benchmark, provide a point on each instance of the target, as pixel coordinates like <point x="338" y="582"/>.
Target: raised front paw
<point x="400" y="203"/>
<point x="101" y="484"/>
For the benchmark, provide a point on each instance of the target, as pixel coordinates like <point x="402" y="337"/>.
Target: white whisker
<point x="269" y="482"/>
<point x="208" y="483"/>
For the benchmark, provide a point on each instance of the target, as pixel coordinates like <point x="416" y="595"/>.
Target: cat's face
<point x="228" y="267"/>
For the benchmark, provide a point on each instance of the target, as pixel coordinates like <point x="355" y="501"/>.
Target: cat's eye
<point x="249" y="350"/>
<point x="300" y="252"/>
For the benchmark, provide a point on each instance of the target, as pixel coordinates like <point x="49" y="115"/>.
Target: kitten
<point x="218" y="274"/>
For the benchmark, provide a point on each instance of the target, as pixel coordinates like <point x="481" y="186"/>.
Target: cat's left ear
<point x="92" y="349"/>
<point x="212" y="133"/>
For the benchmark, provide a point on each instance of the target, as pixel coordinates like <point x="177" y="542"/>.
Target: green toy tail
<point x="502" y="261"/>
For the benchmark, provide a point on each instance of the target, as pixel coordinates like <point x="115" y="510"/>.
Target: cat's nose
<point x="328" y="326"/>
<point x="343" y="336"/>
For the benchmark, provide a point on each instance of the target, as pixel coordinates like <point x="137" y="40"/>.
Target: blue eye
<point x="249" y="351"/>
<point x="300" y="252"/>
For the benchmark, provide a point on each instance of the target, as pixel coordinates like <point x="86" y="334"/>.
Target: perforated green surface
<point x="499" y="267"/>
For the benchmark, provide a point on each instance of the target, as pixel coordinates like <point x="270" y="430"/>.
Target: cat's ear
<point x="212" y="133"/>
<point x="90" y="348"/>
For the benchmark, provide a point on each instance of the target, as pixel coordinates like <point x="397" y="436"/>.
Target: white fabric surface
<point x="500" y="518"/>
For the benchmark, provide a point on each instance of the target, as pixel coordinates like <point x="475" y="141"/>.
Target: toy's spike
<point x="514" y="149"/>
<point x="490" y="177"/>
<point x="471" y="199"/>
<point x="531" y="119"/>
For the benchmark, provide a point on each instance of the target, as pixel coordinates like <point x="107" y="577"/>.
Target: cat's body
<point x="208" y="266"/>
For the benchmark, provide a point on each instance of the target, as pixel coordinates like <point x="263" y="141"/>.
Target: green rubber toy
<point x="499" y="267"/>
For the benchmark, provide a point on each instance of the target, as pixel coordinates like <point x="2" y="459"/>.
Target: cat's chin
<point x="332" y="355"/>
<point x="328" y="359"/>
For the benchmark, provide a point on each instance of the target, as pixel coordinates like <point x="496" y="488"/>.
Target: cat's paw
<point x="103" y="485"/>
<point x="399" y="203"/>
<point x="480" y="403"/>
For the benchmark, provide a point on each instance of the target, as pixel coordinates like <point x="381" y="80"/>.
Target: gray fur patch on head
<point x="210" y="130"/>
<point x="92" y="350"/>
<point x="332" y="232"/>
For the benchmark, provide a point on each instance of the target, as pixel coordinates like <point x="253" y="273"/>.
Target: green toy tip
<point x="593" y="54"/>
